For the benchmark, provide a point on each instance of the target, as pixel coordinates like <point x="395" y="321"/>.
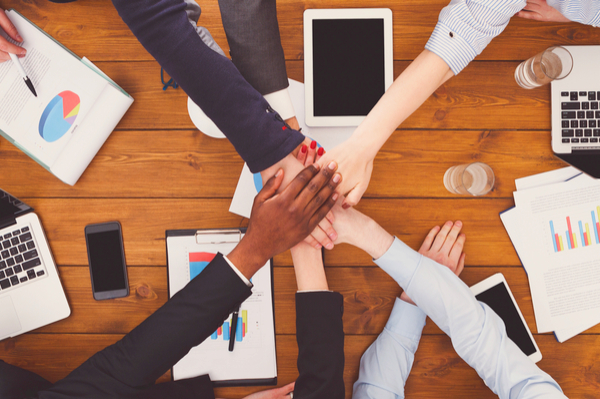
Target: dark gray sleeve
<point x="252" y="31"/>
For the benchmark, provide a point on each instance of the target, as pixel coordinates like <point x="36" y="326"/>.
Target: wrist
<point x="248" y="258"/>
<point x="376" y="241"/>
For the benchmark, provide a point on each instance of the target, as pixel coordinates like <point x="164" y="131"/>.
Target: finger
<point x="9" y="28"/>
<point x="312" y="153"/>
<point x="4" y="56"/>
<point x="451" y="237"/>
<point x="315" y="185"/>
<point x="331" y="217"/>
<point x="8" y="47"/>
<point x="322" y="211"/>
<point x="354" y="196"/>
<point x="529" y="15"/>
<point x="270" y="187"/>
<point x="457" y="249"/>
<point x="324" y="194"/>
<point x="461" y="265"/>
<point x="319" y="235"/>
<point x="426" y="246"/>
<point x="302" y="153"/>
<point x="286" y="389"/>
<point x="320" y="153"/>
<point x="326" y="226"/>
<point x="300" y="181"/>
<point x="310" y="240"/>
<point x="441" y="237"/>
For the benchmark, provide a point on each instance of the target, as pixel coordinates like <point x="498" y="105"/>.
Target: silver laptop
<point x="31" y="295"/>
<point x="576" y="111"/>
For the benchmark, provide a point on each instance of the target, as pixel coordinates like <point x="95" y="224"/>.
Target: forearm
<point x="320" y="336"/>
<point x="408" y="92"/>
<point x="385" y="366"/>
<point x="211" y="81"/>
<point x="478" y="334"/>
<point x="308" y="265"/>
<point x="359" y="230"/>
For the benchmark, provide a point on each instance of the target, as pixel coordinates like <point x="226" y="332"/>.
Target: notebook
<point x="576" y="113"/>
<point x="31" y="295"/>
<point x="253" y="360"/>
<point x="76" y="109"/>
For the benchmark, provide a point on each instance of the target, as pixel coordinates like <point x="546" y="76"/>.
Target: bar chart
<point x="579" y="233"/>
<point x="198" y="262"/>
<point x="225" y="330"/>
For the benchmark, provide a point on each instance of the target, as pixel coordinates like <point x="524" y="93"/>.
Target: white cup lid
<point x="203" y="122"/>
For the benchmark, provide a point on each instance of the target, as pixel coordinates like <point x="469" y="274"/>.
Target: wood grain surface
<point x="157" y="172"/>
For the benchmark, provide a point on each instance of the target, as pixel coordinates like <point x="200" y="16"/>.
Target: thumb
<point x="270" y="187"/>
<point x="354" y="196"/>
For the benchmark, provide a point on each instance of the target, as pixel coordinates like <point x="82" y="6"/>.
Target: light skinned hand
<point x="281" y="220"/>
<point x="6" y="46"/>
<point x="275" y="393"/>
<point x="356" y="165"/>
<point x="325" y="234"/>
<point x="445" y="246"/>
<point x="539" y="10"/>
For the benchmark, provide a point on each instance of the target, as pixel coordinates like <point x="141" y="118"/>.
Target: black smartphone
<point x="107" y="260"/>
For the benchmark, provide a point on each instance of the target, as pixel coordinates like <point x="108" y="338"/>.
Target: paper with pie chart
<point x="59" y="115"/>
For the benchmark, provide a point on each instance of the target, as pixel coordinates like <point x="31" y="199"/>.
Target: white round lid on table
<point x="203" y="122"/>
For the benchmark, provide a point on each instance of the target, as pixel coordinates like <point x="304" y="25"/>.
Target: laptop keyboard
<point x="580" y="117"/>
<point x="19" y="259"/>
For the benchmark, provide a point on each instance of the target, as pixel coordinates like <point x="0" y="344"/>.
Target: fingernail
<point x="335" y="196"/>
<point x="345" y="206"/>
<point x="304" y="148"/>
<point x="329" y="246"/>
<point x="332" y="165"/>
<point x="337" y="178"/>
<point x="333" y="235"/>
<point x="278" y="172"/>
<point x="19" y="38"/>
<point x="321" y="151"/>
<point x="313" y="145"/>
<point x="23" y="52"/>
<point x="458" y="223"/>
<point x="318" y="246"/>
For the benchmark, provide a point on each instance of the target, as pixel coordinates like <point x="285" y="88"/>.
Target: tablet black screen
<point x="499" y="300"/>
<point x="348" y="66"/>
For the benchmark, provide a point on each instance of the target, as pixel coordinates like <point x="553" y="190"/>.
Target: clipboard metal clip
<point x="230" y="236"/>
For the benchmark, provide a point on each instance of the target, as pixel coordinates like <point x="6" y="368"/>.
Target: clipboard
<point x="254" y="359"/>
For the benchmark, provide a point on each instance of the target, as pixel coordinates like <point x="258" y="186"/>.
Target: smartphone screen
<point x="498" y="298"/>
<point x="107" y="261"/>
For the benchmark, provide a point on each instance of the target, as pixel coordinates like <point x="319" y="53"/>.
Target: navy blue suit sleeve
<point x="320" y="336"/>
<point x="211" y="80"/>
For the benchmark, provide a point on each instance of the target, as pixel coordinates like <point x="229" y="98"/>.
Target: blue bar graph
<point x="239" y="330"/>
<point x="594" y="227"/>
<point x="553" y="235"/>
<point x="226" y="331"/>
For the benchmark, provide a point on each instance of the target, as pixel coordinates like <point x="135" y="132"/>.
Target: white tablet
<point x="348" y="63"/>
<point x="494" y="292"/>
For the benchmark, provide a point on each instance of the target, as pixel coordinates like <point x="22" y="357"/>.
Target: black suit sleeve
<point x="130" y="367"/>
<point x="255" y="47"/>
<point x="320" y="336"/>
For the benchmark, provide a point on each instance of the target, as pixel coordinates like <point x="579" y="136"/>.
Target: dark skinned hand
<point x="281" y="220"/>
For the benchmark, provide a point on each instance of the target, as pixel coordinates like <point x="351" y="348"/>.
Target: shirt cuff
<point x="450" y="47"/>
<point x="406" y="320"/>
<point x="400" y="261"/>
<point x="241" y="276"/>
<point x="281" y="102"/>
<point x="305" y="291"/>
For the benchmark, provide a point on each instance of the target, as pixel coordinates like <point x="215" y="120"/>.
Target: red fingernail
<point x="345" y="206"/>
<point x="304" y="148"/>
<point x="313" y="145"/>
<point x="321" y="151"/>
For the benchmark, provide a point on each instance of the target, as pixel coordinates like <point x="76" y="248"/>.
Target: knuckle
<point x="313" y="187"/>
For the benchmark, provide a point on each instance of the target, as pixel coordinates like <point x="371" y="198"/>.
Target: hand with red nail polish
<point x="6" y="46"/>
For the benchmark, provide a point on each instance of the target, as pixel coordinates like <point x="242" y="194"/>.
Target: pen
<point x="17" y="63"/>
<point x="234" y="323"/>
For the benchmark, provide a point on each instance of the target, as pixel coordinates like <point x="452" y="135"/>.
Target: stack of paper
<point x="555" y="229"/>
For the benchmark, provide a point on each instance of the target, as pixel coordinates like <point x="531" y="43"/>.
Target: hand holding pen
<point x="6" y="47"/>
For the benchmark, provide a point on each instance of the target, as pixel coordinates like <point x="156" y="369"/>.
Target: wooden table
<point x="157" y="172"/>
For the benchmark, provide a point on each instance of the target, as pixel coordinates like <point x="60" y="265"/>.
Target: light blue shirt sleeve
<point x="477" y="332"/>
<point x="385" y="366"/>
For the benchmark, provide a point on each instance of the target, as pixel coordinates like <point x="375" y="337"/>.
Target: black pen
<point x="234" y="322"/>
<point x="22" y="72"/>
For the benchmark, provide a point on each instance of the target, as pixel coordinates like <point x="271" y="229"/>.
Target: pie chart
<point x="59" y="116"/>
